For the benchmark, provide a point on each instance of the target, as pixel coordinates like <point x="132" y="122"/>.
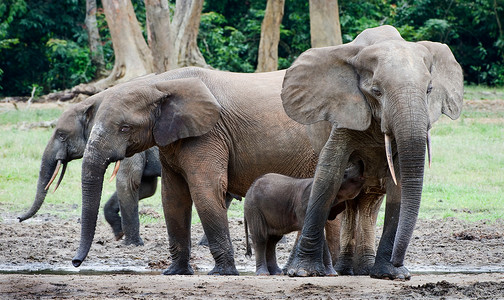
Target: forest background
<point x="44" y="44"/>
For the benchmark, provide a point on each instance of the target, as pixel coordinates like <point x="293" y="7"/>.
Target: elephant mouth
<point x="390" y="161"/>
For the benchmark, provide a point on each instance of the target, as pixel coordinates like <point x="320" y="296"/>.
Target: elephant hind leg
<point x="271" y="258"/>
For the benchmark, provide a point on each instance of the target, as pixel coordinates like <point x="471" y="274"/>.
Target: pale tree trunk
<point x="159" y="35"/>
<point x="95" y="46"/>
<point x="184" y="31"/>
<point x="325" y="28"/>
<point x="133" y="57"/>
<point x="267" y="59"/>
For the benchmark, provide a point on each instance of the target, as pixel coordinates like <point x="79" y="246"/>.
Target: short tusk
<point x="58" y="166"/>
<point x="429" y="148"/>
<point x="388" y="151"/>
<point x="61" y="177"/>
<point x="116" y="168"/>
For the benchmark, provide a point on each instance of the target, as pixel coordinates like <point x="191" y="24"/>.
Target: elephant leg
<point x="287" y="266"/>
<point x="128" y="185"/>
<point x="260" y="248"/>
<point x="204" y="239"/>
<point x="332" y="229"/>
<point x="208" y="194"/>
<point x="368" y="207"/>
<point x="383" y="267"/>
<point x="344" y="265"/>
<point x="330" y="271"/>
<point x="308" y="257"/>
<point x="111" y="212"/>
<point x="177" y="207"/>
<point x="271" y="258"/>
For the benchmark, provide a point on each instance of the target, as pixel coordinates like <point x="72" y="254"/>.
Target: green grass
<point x="466" y="180"/>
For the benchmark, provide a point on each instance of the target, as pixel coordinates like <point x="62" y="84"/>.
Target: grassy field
<point x="466" y="180"/>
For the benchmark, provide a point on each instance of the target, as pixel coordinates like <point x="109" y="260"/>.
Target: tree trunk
<point x="95" y="46"/>
<point x="133" y="57"/>
<point x="159" y="35"/>
<point x="267" y="59"/>
<point x="184" y="31"/>
<point x="325" y="26"/>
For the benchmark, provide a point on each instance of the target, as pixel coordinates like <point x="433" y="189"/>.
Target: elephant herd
<point x="327" y="138"/>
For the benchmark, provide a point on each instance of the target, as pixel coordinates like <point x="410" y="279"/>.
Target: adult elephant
<point x="382" y="94"/>
<point x="216" y="132"/>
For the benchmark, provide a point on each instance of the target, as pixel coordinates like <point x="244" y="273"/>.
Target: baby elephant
<point x="276" y="205"/>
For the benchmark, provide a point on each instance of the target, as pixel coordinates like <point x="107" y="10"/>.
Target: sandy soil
<point x="448" y="258"/>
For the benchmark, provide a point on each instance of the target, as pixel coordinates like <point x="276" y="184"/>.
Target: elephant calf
<point x="276" y="205"/>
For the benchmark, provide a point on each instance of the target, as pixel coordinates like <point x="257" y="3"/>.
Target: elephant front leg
<point x="348" y="218"/>
<point x="309" y="251"/>
<point x="111" y="212"/>
<point x="177" y="206"/>
<point x="271" y="257"/>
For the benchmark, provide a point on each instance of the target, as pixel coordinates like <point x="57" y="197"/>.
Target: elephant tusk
<point x="429" y="148"/>
<point x="61" y="176"/>
<point x="116" y="168"/>
<point x="388" y="151"/>
<point x="58" y="166"/>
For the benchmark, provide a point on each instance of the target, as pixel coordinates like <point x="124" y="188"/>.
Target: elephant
<point x="381" y="95"/>
<point x="276" y="205"/>
<point x="136" y="178"/>
<point x="216" y="132"/>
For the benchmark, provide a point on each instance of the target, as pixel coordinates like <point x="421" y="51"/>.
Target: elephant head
<point x="67" y="143"/>
<point x="400" y="87"/>
<point x="132" y="118"/>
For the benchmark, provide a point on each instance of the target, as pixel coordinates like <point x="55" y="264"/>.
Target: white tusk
<point x="58" y="166"/>
<point x="388" y="151"/>
<point x="429" y="148"/>
<point x="116" y="168"/>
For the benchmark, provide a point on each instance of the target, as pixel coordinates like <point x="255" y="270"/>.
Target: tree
<point x="132" y="55"/>
<point x="184" y="31"/>
<point x="159" y="35"/>
<point x="267" y="59"/>
<point x="94" y="41"/>
<point x="325" y="28"/>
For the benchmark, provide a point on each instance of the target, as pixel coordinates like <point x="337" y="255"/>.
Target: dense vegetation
<point x="43" y="43"/>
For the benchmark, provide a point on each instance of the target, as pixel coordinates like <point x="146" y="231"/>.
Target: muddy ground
<point x="448" y="259"/>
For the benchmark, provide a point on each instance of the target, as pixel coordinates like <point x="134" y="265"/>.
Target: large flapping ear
<point x="187" y="109"/>
<point x="447" y="82"/>
<point x="323" y="85"/>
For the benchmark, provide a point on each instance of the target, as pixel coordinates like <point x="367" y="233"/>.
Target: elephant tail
<point x="248" y="254"/>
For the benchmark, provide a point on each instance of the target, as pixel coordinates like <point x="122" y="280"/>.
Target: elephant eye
<point x="429" y="89"/>
<point x="125" y="128"/>
<point x="376" y="91"/>
<point x="62" y="136"/>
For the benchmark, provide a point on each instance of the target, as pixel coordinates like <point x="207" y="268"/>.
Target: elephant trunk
<point x="93" y="171"/>
<point x="48" y="170"/>
<point x="410" y="133"/>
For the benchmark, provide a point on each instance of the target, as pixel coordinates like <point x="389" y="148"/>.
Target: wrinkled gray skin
<point x="216" y="132"/>
<point x="136" y="178"/>
<point x="276" y="205"/>
<point x="378" y="85"/>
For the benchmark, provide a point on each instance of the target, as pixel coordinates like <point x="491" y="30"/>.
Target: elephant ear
<point x="186" y="109"/>
<point x="322" y="84"/>
<point x="447" y="82"/>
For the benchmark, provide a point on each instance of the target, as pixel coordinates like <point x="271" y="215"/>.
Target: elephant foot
<point x="135" y="241"/>
<point x="344" y="267"/>
<point x="330" y="271"/>
<point x="175" y="269"/>
<point x="274" y="270"/>
<point x="389" y="272"/>
<point x="220" y="270"/>
<point x="305" y="267"/>
<point x="364" y="265"/>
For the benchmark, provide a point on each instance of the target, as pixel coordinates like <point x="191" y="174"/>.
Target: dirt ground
<point x="449" y="259"/>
